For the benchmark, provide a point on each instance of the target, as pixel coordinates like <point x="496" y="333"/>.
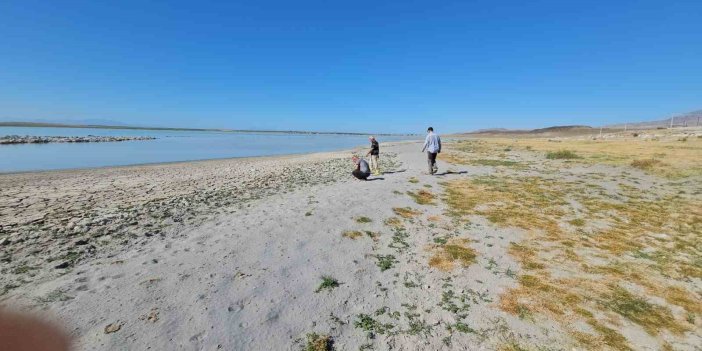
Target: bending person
<point x="362" y="170"/>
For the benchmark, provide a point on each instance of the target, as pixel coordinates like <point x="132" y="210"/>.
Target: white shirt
<point x="432" y="143"/>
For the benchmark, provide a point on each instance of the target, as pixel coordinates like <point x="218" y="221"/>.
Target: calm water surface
<point x="168" y="147"/>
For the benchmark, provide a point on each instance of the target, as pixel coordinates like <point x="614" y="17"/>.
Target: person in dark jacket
<point x="362" y="170"/>
<point x="374" y="154"/>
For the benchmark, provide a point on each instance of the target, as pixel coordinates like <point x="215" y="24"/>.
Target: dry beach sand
<point x="230" y="254"/>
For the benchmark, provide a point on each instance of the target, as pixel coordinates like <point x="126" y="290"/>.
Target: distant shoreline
<point x="98" y="126"/>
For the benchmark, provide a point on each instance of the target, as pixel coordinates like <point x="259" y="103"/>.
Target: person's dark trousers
<point x="431" y="160"/>
<point x="360" y="175"/>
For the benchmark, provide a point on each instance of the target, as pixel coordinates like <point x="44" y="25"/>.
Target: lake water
<point x="169" y="146"/>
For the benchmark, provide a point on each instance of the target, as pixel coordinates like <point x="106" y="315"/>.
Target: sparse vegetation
<point x="406" y="212"/>
<point x="394" y="222"/>
<point x="640" y="311"/>
<point x="454" y="251"/>
<point x="23" y="269"/>
<point x="578" y="222"/>
<point x="645" y="164"/>
<point x="328" y="283"/>
<point x="494" y="163"/>
<point x="367" y="323"/>
<point x="385" y="262"/>
<point x="317" y="342"/>
<point x="352" y="234"/>
<point x="363" y="219"/>
<point x="373" y="235"/>
<point x="511" y="346"/>
<point x="626" y="225"/>
<point x="54" y="296"/>
<point x="422" y="197"/>
<point x="561" y="155"/>
<point x="399" y="239"/>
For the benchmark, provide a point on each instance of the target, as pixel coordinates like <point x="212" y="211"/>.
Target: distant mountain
<point x="690" y="119"/>
<point x="495" y="130"/>
<point x="558" y="129"/>
<point x="549" y="131"/>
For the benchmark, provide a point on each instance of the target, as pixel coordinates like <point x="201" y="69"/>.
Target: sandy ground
<point x="229" y="254"/>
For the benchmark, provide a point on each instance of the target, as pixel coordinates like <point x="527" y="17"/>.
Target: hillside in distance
<point x="573" y="130"/>
<point x="689" y="119"/>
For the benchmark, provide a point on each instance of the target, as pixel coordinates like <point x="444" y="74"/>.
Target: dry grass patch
<point x="494" y="163"/>
<point x="455" y="251"/>
<point x="474" y="152"/>
<point x="317" y="342"/>
<point x="453" y="158"/>
<point x="606" y="338"/>
<point x="578" y="222"/>
<point x="352" y="234"/>
<point x="646" y="164"/>
<point x="681" y="297"/>
<point x="406" y="212"/>
<point x="434" y="218"/>
<point x="637" y="309"/>
<point x="682" y="159"/>
<point x="394" y="222"/>
<point x="562" y="155"/>
<point x="422" y="197"/>
<point x="652" y="243"/>
<point x="527" y="203"/>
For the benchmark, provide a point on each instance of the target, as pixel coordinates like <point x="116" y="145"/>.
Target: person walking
<point x="362" y="170"/>
<point x="432" y="145"/>
<point x="374" y="154"/>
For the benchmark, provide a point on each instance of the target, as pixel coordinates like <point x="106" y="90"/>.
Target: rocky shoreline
<point x="32" y="139"/>
<point x="53" y="220"/>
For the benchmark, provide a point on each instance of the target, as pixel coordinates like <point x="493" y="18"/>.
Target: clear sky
<point x="376" y="66"/>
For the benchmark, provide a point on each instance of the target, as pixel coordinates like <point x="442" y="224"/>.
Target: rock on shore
<point x="31" y="139"/>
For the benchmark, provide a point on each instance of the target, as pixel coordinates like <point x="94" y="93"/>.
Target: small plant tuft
<point x="363" y="219"/>
<point x="645" y="164"/>
<point x="328" y="283"/>
<point x="405" y="212"/>
<point x="385" y="262"/>
<point x="370" y="325"/>
<point x="562" y="155"/>
<point x="352" y="234"/>
<point x="578" y="222"/>
<point x="317" y="342"/>
<point x="422" y="197"/>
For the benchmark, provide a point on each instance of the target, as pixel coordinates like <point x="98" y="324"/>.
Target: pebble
<point x="63" y="265"/>
<point x="114" y="327"/>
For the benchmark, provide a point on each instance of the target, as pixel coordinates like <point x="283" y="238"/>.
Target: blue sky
<point x="350" y="66"/>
